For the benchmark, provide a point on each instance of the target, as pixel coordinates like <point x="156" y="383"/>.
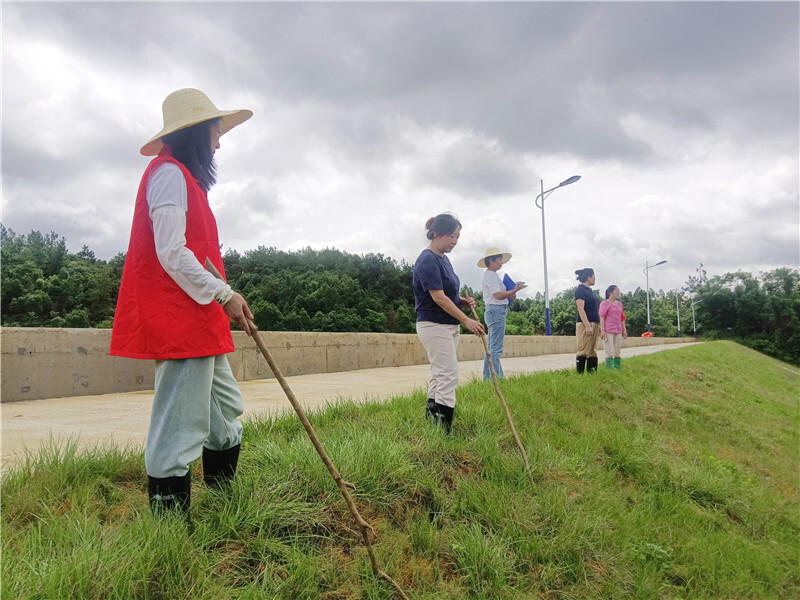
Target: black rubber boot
<point x="591" y="364"/>
<point x="580" y="363"/>
<point x="444" y="416"/>
<point x="170" y="494"/>
<point x="219" y="466"/>
<point x="430" y="409"/>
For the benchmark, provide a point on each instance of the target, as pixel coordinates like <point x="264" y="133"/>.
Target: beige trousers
<point x="613" y="345"/>
<point x="586" y="342"/>
<point x="440" y="342"/>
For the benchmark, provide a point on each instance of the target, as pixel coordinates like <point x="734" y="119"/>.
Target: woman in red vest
<point x="172" y="310"/>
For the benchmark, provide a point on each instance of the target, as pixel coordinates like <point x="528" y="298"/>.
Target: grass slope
<point x="676" y="477"/>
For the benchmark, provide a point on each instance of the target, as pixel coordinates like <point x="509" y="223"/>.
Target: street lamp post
<point x="678" y="309"/>
<point x="542" y="196"/>
<point x="646" y="272"/>
<point x="694" y="325"/>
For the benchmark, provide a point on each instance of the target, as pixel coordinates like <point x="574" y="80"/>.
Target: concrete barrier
<point x="53" y="363"/>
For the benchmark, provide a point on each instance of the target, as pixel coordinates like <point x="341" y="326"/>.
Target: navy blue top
<point x="434" y="272"/>
<point x="591" y="304"/>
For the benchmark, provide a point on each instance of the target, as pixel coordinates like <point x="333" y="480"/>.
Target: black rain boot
<point x="219" y="466"/>
<point x="444" y="416"/>
<point x="430" y="409"/>
<point x="169" y="494"/>
<point x="591" y="364"/>
<point x="580" y="363"/>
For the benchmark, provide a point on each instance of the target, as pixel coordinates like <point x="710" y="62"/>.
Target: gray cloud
<point x="370" y="117"/>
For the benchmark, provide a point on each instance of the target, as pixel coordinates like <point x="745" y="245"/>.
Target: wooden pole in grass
<point x="503" y="401"/>
<point x="340" y="482"/>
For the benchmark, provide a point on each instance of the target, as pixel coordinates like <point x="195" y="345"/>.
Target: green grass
<point x="676" y="477"/>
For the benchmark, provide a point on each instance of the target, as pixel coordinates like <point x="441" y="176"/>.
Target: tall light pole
<point x="542" y="196"/>
<point x="678" y="309"/>
<point x="646" y="272"/>
<point x="694" y="325"/>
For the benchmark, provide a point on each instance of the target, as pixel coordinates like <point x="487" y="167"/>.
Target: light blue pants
<point x="495" y="318"/>
<point x="197" y="402"/>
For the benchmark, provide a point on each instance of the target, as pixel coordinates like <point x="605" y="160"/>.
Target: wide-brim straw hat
<point x="494" y="252"/>
<point x="186" y="107"/>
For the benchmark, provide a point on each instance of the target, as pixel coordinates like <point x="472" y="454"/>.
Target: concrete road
<point x="123" y="418"/>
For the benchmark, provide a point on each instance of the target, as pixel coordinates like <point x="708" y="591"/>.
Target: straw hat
<point x="494" y="252"/>
<point x="189" y="106"/>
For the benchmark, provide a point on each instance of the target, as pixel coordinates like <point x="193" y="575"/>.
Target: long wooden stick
<point x="503" y="401"/>
<point x="340" y="482"/>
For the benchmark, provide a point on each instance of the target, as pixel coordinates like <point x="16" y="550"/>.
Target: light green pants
<point x="197" y="402"/>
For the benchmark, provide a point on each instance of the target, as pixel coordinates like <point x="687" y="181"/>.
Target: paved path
<point x="123" y="418"/>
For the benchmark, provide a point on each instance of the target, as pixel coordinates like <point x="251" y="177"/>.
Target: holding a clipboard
<point x="498" y="295"/>
<point x="512" y="286"/>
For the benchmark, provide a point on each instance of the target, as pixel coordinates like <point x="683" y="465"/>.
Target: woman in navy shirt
<point x="438" y="305"/>
<point x="587" y="325"/>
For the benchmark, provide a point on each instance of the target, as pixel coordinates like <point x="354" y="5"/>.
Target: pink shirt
<point x="612" y="313"/>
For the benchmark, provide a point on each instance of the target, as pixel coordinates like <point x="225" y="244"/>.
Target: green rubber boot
<point x="618" y="363"/>
<point x="609" y="364"/>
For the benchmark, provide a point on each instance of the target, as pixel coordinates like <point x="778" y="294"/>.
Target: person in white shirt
<point x="497" y="299"/>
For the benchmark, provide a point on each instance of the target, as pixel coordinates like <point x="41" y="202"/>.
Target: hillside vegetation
<point x="676" y="477"/>
<point x="45" y="285"/>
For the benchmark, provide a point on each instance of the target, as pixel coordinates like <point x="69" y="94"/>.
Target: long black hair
<point x="192" y="147"/>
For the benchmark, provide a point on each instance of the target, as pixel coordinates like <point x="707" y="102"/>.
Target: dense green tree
<point x="762" y="312"/>
<point x="635" y="305"/>
<point x="518" y="324"/>
<point x="562" y="313"/>
<point x="325" y="290"/>
<point x="43" y="285"/>
<point x="402" y="319"/>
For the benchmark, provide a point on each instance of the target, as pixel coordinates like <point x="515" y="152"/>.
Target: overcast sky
<point x="681" y="119"/>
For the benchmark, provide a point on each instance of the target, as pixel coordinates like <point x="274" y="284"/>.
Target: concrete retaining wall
<point x="53" y="363"/>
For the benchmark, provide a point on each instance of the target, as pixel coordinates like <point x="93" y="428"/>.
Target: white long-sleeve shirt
<point x="166" y="197"/>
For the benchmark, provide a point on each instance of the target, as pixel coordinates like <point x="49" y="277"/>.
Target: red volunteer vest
<point x="156" y="319"/>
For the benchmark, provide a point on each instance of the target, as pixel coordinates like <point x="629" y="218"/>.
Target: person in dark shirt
<point x="587" y="324"/>
<point x="438" y="304"/>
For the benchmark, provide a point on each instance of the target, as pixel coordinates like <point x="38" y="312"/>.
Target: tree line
<point x="45" y="285"/>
